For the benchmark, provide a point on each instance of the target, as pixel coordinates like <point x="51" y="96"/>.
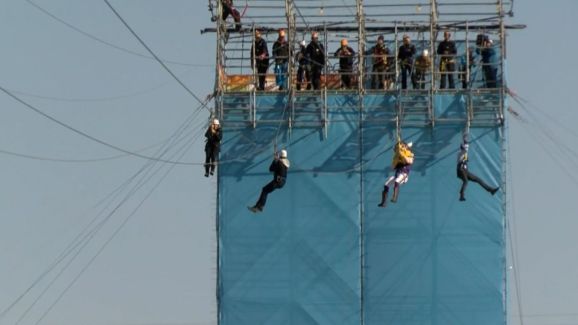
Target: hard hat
<point x="216" y="122"/>
<point x="425" y="52"/>
<point x="303" y="43"/>
<point x="283" y="153"/>
<point x="409" y="144"/>
<point x="344" y="42"/>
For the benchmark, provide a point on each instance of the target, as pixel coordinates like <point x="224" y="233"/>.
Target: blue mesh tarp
<point x="322" y="252"/>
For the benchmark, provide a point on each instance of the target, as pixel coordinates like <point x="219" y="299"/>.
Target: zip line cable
<point x="78" y="239"/>
<point x="92" y="138"/>
<point x="151" y="52"/>
<point x="87" y="237"/>
<point x="102" y="41"/>
<point x="112" y="236"/>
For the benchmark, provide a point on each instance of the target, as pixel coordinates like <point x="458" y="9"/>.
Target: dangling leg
<point x="463" y="175"/>
<point x="395" y="192"/>
<point x="207" y="161"/>
<point x="384" y="197"/>
<point x="214" y="159"/>
<point x="270" y="187"/>
<point x="476" y="179"/>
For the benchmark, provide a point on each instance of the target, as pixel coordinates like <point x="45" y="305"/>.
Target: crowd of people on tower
<point x="312" y="61"/>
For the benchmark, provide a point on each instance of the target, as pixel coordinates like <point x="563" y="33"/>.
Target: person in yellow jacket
<point x="402" y="160"/>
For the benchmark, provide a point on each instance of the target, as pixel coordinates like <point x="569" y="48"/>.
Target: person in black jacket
<point x="316" y="57"/>
<point x="447" y="52"/>
<point x="346" y="55"/>
<point x="303" y="74"/>
<point x="214" y="135"/>
<point x="279" y="168"/>
<point x="405" y="56"/>
<point x="260" y="59"/>
<point x="281" y="55"/>
<point x="464" y="174"/>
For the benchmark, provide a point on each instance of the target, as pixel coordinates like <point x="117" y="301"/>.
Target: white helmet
<point x="409" y="144"/>
<point x="216" y="122"/>
<point x="283" y="153"/>
<point x="425" y="52"/>
<point x="302" y="43"/>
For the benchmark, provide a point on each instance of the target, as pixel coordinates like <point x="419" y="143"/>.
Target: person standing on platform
<point x="346" y="55"/>
<point x="405" y="56"/>
<point x="316" y="59"/>
<point x="489" y="62"/>
<point x="260" y="59"/>
<point x="303" y="74"/>
<point x="379" y="54"/>
<point x="229" y="9"/>
<point x="213" y="137"/>
<point x="466" y="66"/>
<point x="447" y="52"/>
<point x="281" y="55"/>
<point x="279" y="168"/>
<point x="421" y="68"/>
<point x="402" y="160"/>
<point x="465" y="175"/>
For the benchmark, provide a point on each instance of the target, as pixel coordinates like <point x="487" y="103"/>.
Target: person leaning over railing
<point x="260" y="59"/>
<point x="281" y="55"/>
<point x="379" y="54"/>
<point x="447" y="52"/>
<point x="405" y="57"/>
<point x="316" y="58"/>
<point x="346" y="55"/>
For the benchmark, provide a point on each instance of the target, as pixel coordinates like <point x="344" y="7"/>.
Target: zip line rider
<point x="214" y="135"/>
<point x="402" y="160"/>
<point x="464" y="174"/>
<point x="278" y="167"/>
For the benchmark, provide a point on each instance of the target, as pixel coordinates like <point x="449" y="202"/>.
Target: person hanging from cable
<point x="346" y="54"/>
<point x="281" y="55"/>
<point x="214" y="135"/>
<point x="316" y="58"/>
<point x="228" y="9"/>
<point x="260" y="59"/>
<point x="278" y="167"/>
<point x="465" y="175"/>
<point x="401" y="163"/>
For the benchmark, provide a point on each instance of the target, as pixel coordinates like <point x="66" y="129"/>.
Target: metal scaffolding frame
<point x="361" y="21"/>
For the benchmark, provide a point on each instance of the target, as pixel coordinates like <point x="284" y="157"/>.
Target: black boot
<point x="384" y="197"/>
<point x="494" y="190"/>
<point x="395" y="193"/>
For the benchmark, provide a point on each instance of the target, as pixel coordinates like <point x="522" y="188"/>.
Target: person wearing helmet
<point x="346" y="55"/>
<point x="379" y="55"/>
<point x="405" y="56"/>
<point x="260" y="59"/>
<point x="213" y="137"/>
<point x="421" y="67"/>
<point x="447" y="52"/>
<point x="281" y="55"/>
<point x="401" y="163"/>
<point x="465" y="175"/>
<point x="279" y="168"/>
<point x="303" y="69"/>
<point x="316" y="58"/>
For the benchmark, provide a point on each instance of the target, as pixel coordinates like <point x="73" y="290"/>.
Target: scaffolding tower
<point x="323" y="252"/>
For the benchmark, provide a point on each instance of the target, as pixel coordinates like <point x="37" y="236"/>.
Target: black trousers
<point x="270" y="187"/>
<point x="447" y="70"/>
<point x="303" y="76"/>
<point x="316" y="76"/>
<point x="466" y="176"/>
<point x="211" y="157"/>
<point x="346" y="77"/>
<point x="378" y="76"/>
<point x="490" y="75"/>
<point x="405" y="72"/>
<point x="262" y="74"/>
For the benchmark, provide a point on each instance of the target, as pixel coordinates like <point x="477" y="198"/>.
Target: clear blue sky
<point x="160" y="268"/>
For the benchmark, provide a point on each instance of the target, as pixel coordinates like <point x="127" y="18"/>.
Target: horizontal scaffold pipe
<point x="400" y="28"/>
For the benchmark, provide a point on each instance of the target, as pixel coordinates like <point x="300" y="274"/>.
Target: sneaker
<point x="381" y="205"/>
<point x="212" y="173"/>
<point x="462" y="198"/>
<point x="255" y="209"/>
<point x="493" y="191"/>
<point x="206" y="174"/>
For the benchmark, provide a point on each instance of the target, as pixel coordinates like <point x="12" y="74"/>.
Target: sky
<point x="153" y="261"/>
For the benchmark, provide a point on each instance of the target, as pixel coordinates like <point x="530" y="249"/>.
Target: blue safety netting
<point x="322" y="252"/>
